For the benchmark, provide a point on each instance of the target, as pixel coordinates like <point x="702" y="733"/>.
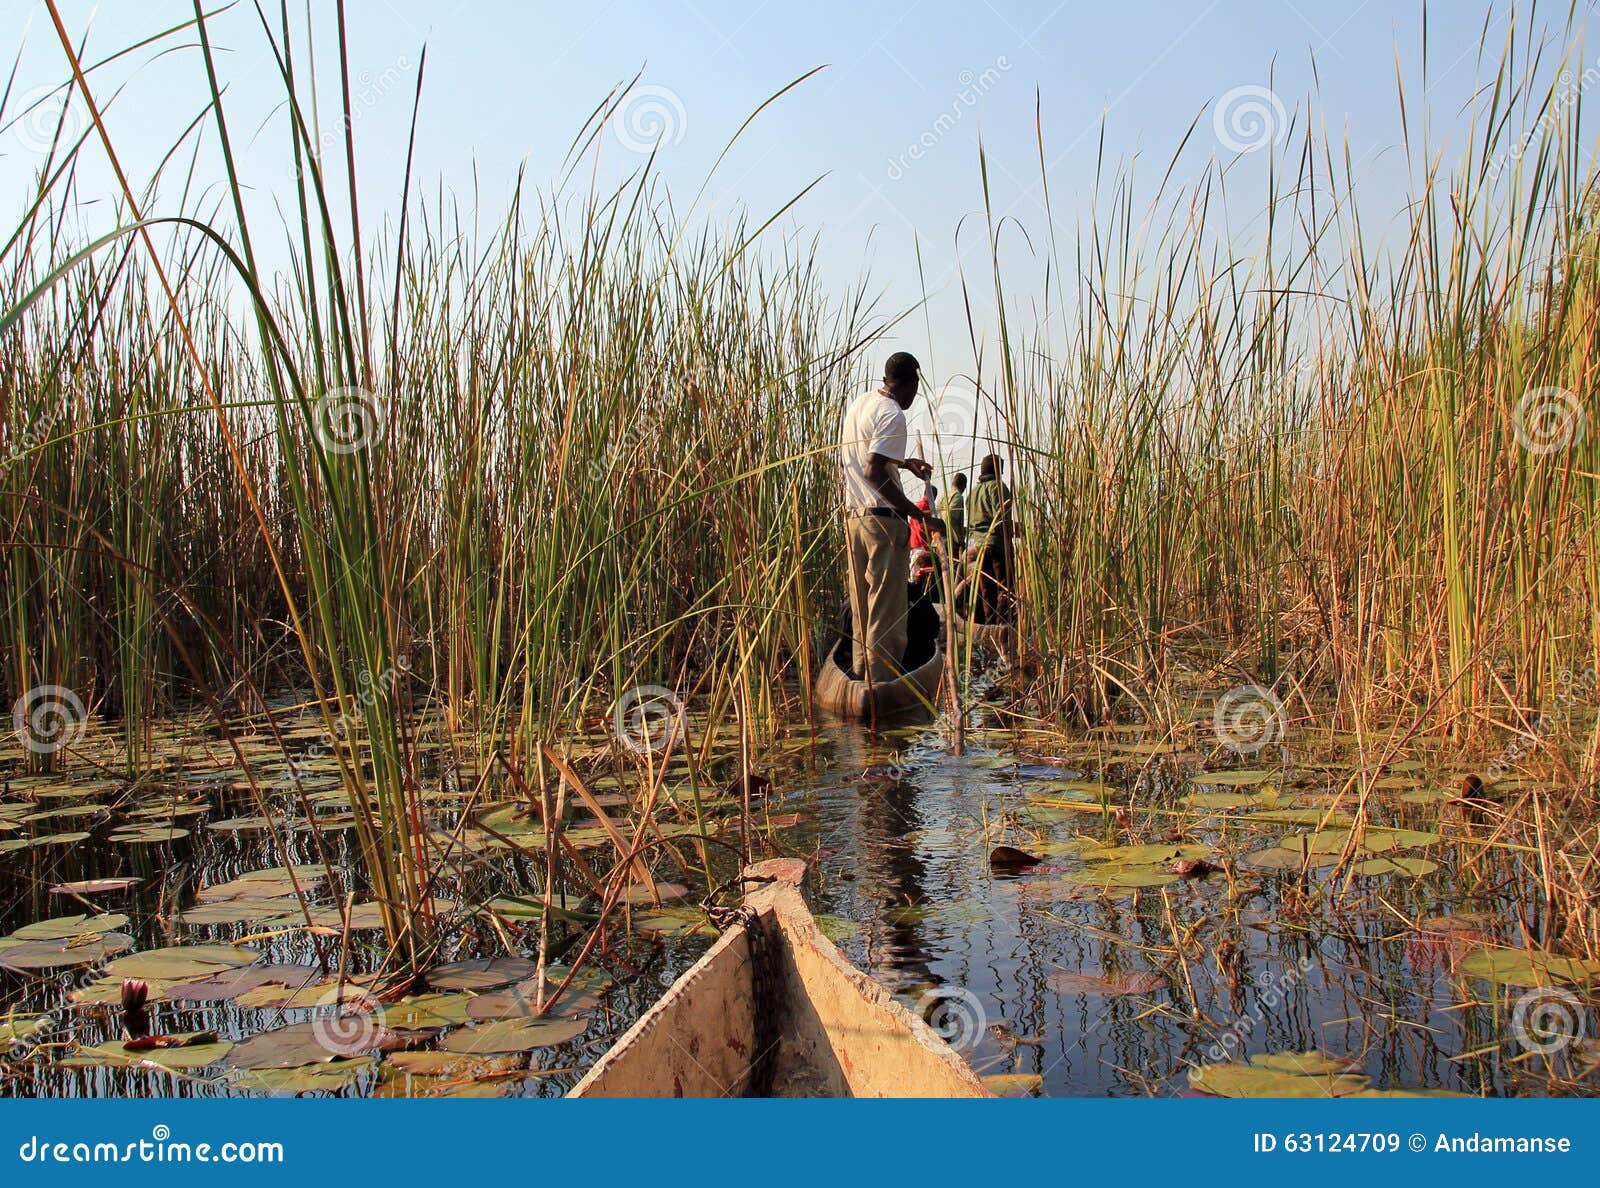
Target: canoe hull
<point x="837" y="692"/>
<point x="839" y="1033"/>
<point x="988" y="638"/>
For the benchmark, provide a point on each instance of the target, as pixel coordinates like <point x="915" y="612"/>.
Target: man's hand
<point x="934" y="525"/>
<point x="918" y="467"/>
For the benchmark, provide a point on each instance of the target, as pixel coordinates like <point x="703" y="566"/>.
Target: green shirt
<point x="987" y="509"/>
<point x="953" y="511"/>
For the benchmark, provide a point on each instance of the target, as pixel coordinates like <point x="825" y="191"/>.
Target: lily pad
<point x="228" y="984"/>
<point x="513" y="1035"/>
<point x="313" y="1078"/>
<point x="1249" y="1080"/>
<point x="1305" y="1064"/>
<point x="427" y="1011"/>
<point x="138" y="835"/>
<point x="205" y="1049"/>
<point x="180" y="962"/>
<point x="481" y="974"/>
<point x="455" y="1064"/>
<point x="1414" y="867"/>
<point x="1120" y="876"/>
<point x="34" y="956"/>
<point x="68" y="927"/>
<point x="678" y="921"/>
<point x="292" y="1046"/>
<point x="1515" y="967"/>
<point x="1234" y="779"/>
<point x="243" y="910"/>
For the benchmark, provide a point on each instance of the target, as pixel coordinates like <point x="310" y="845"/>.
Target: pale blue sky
<point x="508" y="84"/>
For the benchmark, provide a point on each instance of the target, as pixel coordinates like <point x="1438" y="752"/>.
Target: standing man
<point x="992" y="541"/>
<point x="872" y="449"/>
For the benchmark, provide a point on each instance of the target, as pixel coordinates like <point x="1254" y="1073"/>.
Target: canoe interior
<point x="839" y="1033"/>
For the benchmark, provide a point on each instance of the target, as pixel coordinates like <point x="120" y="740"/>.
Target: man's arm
<point x="880" y="473"/>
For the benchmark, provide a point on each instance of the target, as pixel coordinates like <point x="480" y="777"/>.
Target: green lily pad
<point x="138" y="835"/>
<point x="1305" y="1064"/>
<point x="180" y="962"/>
<point x="243" y="910"/>
<point x="313" y="1078"/>
<point x="67" y="927"/>
<point x="1414" y="867"/>
<point x="672" y="922"/>
<point x="1280" y="858"/>
<point x="1248" y="1080"/>
<point x="1219" y="800"/>
<point x="206" y="1049"/>
<point x="1300" y="816"/>
<point x="1516" y="967"/>
<point x="15" y="1029"/>
<point x="1117" y="875"/>
<point x="513" y="1035"/>
<point x="427" y="1011"/>
<point x="1234" y="779"/>
<point x="38" y="955"/>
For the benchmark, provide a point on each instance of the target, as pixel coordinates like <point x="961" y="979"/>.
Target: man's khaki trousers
<point x="879" y="556"/>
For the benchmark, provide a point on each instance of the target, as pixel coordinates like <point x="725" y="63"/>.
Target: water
<point x="1047" y="977"/>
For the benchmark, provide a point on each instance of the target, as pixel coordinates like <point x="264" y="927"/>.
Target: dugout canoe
<point x="998" y="638"/>
<point x="773" y="1010"/>
<point x="836" y="691"/>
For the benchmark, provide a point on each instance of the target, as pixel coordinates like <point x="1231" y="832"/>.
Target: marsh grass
<point x="515" y="475"/>
<point x="1366" y="465"/>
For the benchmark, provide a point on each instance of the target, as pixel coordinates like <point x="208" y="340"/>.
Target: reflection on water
<point x="1220" y="974"/>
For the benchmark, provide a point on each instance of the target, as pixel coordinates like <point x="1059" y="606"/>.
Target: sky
<point x="891" y="124"/>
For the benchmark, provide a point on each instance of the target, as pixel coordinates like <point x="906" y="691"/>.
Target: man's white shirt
<point x="873" y="424"/>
